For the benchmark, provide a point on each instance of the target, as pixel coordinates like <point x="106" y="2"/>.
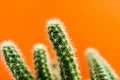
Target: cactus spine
<point x="99" y="68"/>
<point x="14" y="61"/>
<point x="41" y="64"/>
<point x="64" y="50"/>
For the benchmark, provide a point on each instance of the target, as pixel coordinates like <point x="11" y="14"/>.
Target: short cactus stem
<point x="65" y="53"/>
<point x="99" y="68"/>
<point x="15" y="62"/>
<point x="41" y="62"/>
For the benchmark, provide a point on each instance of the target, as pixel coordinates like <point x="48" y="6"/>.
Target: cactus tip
<point x="7" y="43"/>
<point x="37" y="46"/>
<point x="91" y="50"/>
<point x="53" y="22"/>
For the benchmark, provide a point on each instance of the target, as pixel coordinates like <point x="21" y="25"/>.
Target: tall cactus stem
<point x="64" y="50"/>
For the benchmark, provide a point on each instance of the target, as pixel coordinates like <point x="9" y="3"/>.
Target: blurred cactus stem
<point x="41" y="62"/>
<point x="14" y="61"/>
<point x="55" y="70"/>
<point x="64" y="50"/>
<point x="99" y="68"/>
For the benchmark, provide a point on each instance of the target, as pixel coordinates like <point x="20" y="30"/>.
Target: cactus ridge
<point x="41" y="64"/>
<point x="64" y="51"/>
<point x="15" y="62"/>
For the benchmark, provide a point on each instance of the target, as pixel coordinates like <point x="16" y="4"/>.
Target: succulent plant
<point x="41" y="62"/>
<point x="64" y="50"/>
<point x="65" y="68"/>
<point x="15" y="62"/>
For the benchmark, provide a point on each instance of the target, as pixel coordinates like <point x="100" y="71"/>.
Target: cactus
<point x="55" y="70"/>
<point x="64" y="50"/>
<point x="99" y="68"/>
<point x="15" y="62"/>
<point x="41" y="64"/>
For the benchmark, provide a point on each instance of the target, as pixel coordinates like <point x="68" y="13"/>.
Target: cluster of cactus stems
<point x="99" y="68"/>
<point x="41" y="63"/>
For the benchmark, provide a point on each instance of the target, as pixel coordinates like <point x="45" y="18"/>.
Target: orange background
<point x="89" y="23"/>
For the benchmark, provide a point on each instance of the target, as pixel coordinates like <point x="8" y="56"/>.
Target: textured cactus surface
<point x="99" y="68"/>
<point x="63" y="49"/>
<point x="41" y="63"/>
<point x="14" y="61"/>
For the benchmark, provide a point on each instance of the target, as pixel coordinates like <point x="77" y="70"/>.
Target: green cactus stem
<point x="14" y="61"/>
<point x="65" y="53"/>
<point x="99" y="68"/>
<point x="41" y="63"/>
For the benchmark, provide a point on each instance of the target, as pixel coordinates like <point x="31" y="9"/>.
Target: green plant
<point x="41" y="63"/>
<point x="65" y="68"/>
<point x="65" y="53"/>
<point x="99" y="68"/>
<point x="15" y="62"/>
